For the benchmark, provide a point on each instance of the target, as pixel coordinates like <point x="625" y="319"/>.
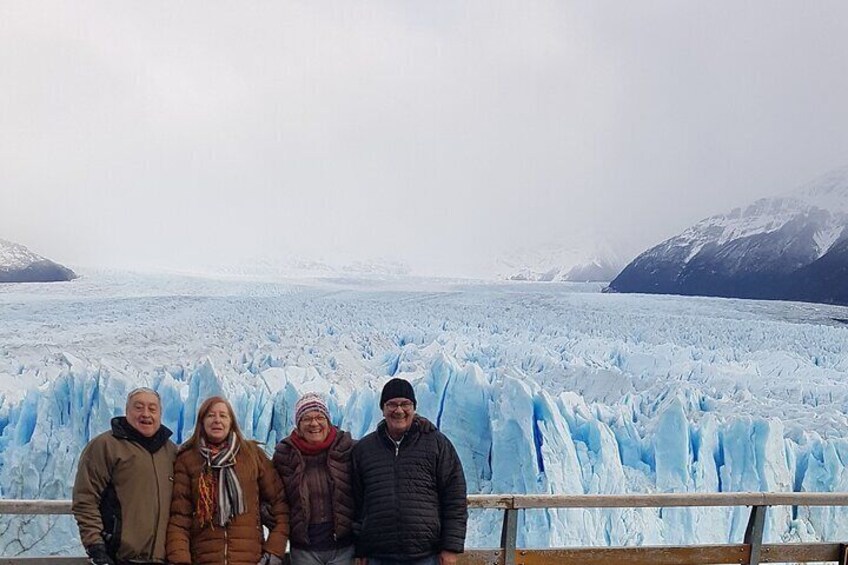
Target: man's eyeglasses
<point x="405" y="405"/>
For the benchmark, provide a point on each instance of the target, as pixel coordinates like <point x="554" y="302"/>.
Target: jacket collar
<point x="420" y="425"/>
<point x="122" y="429"/>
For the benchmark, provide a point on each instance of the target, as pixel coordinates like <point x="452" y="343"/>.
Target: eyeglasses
<point x="313" y="420"/>
<point x="405" y="405"/>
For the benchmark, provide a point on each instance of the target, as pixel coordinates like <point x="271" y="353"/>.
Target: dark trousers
<point x="431" y="560"/>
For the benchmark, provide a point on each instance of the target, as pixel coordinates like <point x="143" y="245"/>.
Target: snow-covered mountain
<point x="589" y="260"/>
<point x="19" y="264"/>
<point x="793" y="247"/>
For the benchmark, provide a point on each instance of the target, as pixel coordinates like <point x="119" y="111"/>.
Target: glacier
<point x="543" y="388"/>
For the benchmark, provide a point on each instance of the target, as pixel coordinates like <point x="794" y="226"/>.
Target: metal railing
<point x="751" y="551"/>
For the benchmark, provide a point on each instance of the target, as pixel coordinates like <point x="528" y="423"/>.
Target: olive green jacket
<point x="122" y="492"/>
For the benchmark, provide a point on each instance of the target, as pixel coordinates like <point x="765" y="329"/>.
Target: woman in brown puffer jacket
<point x="220" y="481"/>
<point x="314" y="463"/>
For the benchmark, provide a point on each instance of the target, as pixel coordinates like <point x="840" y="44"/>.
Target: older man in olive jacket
<point x="122" y="492"/>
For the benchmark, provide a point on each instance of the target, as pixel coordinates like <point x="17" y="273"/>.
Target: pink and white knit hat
<point x="310" y="402"/>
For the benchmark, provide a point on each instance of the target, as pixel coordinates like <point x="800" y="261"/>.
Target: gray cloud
<point x="440" y="133"/>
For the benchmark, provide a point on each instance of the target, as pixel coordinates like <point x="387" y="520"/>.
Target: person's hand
<point x="270" y="559"/>
<point x="97" y="554"/>
<point x="447" y="558"/>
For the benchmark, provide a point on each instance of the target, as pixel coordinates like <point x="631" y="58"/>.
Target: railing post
<point x="754" y="532"/>
<point x="509" y="535"/>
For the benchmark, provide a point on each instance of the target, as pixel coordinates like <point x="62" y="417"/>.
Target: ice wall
<point x="541" y="389"/>
<point x="512" y="436"/>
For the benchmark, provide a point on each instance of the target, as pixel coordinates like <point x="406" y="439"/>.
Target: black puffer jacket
<point x="410" y="501"/>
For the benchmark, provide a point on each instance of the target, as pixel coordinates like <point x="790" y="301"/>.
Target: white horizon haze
<point x="441" y="135"/>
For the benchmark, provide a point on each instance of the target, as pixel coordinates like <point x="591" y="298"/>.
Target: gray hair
<point x="140" y="390"/>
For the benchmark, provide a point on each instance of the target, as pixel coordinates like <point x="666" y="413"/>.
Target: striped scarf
<point x="221" y="497"/>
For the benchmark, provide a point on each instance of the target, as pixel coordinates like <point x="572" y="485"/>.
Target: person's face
<point x="144" y="413"/>
<point x="313" y="427"/>
<point x="217" y="423"/>
<point x="398" y="413"/>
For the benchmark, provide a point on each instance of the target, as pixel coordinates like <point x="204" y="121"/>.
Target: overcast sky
<point x="443" y="133"/>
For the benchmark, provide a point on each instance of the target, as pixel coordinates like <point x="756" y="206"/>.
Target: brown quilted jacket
<point x="240" y="542"/>
<point x="290" y="465"/>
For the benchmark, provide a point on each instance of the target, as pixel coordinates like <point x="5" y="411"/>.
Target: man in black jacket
<point x="409" y="488"/>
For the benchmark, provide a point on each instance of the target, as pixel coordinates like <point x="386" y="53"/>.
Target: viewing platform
<point x="752" y="550"/>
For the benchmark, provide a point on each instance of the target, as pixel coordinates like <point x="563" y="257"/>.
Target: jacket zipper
<point x="332" y="498"/>
<point x="226" y="547"/>
<point x="397" y="509"/>
<point x="158" y="506"/>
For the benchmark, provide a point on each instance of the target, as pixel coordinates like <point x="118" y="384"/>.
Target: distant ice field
<point x="543" y="387"/>
<point x="754" y="357"/>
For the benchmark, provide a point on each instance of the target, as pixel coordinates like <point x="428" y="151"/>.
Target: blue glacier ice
<point x="541" y="389"/>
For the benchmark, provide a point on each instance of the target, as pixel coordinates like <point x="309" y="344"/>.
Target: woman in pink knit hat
<point x="314" y="464"/>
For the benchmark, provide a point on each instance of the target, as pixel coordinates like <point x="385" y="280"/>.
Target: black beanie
<point x="397" y="388"/>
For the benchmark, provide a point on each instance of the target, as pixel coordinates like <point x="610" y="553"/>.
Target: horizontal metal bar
<point x="519" y="501"/>
<point x="57" y="507"/>
<point x="44" y="561"/>
<point x="659" y="500"/>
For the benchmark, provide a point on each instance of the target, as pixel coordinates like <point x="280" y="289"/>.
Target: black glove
<point x="268" y="520"/>
<point x="97" y="554"/>
<point x="270" y="559"/>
